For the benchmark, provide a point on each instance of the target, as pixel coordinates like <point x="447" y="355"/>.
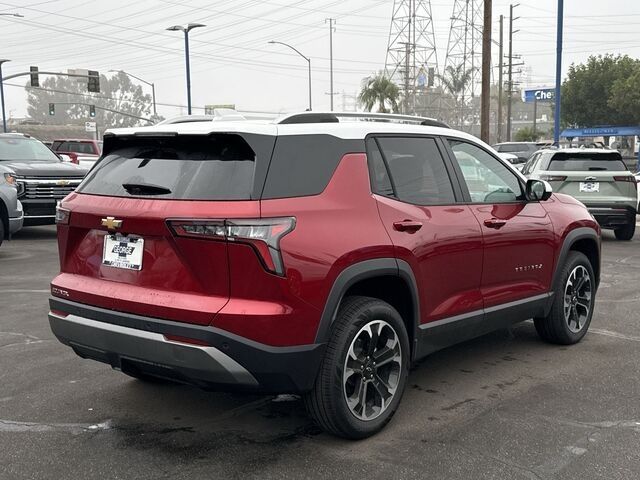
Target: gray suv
<point x="11" y="216"/>
<point x="598" y="178"/>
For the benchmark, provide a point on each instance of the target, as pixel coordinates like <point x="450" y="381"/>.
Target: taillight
<point x="262" y="234"/>
<point x="62" y="215"/>
<point x="625" y="178"/>
<point x="553" y="178"/>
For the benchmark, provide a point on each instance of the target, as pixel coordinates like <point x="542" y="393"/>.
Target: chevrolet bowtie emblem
<point x="111" y="223"/>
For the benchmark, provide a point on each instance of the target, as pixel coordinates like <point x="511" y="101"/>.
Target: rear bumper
<point x="219" y="360"/>
<point x="612" y="216"/>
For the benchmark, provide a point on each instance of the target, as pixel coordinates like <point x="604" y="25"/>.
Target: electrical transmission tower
<point x="411" y="61"/>
<point x="464" y="50"/>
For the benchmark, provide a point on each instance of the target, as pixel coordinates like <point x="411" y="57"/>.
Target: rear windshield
<point x="188" y="167"/>
<point x="587" y="162"/>
<point x="513" y="147"/>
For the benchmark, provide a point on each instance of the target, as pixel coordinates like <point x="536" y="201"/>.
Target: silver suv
<point x="11" y="216"/>
<point x="598" y="178"/>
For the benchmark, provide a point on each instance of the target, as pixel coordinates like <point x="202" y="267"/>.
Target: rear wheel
<point x="364" y="372"/>
<point x="573" y="303"/>
<point x="627" y="232"/>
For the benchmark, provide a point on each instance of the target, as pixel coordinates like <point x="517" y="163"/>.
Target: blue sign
<point x="540" y="95"/>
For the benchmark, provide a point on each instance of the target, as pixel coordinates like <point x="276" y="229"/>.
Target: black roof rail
<point x="334" y="117"/>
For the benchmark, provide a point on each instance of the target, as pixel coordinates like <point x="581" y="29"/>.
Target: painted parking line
<point x="25" y="291"/>
<point x="609" y="333"/>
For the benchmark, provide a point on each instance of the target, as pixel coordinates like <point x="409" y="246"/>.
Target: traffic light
<point x="431" y="76"/>
<point x="93" y="85"/>
<point x="92" y="110"/>
<point x="52" y="109"/>
<point x="35" y="81"/>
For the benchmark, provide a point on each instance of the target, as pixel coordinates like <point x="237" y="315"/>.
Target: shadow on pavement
<point x="47" y="232"/>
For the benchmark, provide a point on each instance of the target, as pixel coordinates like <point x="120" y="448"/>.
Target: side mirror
<point x="538" y="190"/>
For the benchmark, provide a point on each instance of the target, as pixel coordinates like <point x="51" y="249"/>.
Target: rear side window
<point x="303" y="165"/>
<point x="188" y="167"/>
<point x="513" y="147"/>
<point x="418" y="171"/>
<point x="80" y="147"/>
<point x="587" y="162"/>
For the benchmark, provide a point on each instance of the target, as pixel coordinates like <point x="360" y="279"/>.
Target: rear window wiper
<point x="597" y="169"/>
<point x="145" y="189"/>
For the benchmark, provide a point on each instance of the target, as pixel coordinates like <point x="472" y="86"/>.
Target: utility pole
<point x="500" y="85"/>
<point x="407" y="59"/>
<point x="510" y="74"/>
<point x="485" y="97"/>
<point x="331" y="21"/>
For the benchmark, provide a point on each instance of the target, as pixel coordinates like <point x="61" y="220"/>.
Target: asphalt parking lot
<point x="505" y="406"/>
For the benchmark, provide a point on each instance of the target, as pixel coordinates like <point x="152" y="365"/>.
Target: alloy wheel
<point x="372" y="370"/>
<point x="577" y="298"/>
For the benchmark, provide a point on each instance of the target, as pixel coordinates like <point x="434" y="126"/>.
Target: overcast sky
<point x="233" y="63"/>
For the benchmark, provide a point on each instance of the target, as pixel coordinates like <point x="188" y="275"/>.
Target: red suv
<point x="319" y="254"/>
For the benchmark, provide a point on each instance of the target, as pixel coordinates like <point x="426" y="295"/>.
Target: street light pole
<point x="186" y="31"/>
<point x="303" y="56"/>
<point x="4" y="116"/>
<point x="151" y="84"/>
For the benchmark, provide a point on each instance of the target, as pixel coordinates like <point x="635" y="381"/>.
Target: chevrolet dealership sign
<point x="539" y="95"/>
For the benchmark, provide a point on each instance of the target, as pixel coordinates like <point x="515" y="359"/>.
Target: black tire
<point x="557" y="327"/>
<point x="327" y="402"/>
<point x="2" y="233"/>
<point x="627" y="232"/>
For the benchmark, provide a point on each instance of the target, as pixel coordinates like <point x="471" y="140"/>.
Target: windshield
<point x="20" y="149"/>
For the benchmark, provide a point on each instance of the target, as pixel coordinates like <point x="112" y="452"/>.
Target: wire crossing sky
<point x="233" y="63"/>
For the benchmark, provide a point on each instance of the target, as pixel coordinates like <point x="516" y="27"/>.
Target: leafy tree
<point x="381" y="90"/>
<point x="587" y="91"/>
<point x="116" y="93"/>
<point x="454" y="81"/>
<point x="526" y="134"/>
<point x="625" y="98"/>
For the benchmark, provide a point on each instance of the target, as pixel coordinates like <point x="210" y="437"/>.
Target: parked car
<point x="598" y="178"/>
<point x="523" y="150"/>
<point x="11" y="216"/>
<point x="312" y="256"/>
<point x="38" y="174"/>
<point x="81" y="152"/>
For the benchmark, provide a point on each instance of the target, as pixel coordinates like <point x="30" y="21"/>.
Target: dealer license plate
<point x="589" y="187"/>
<point x="123" y="252"/>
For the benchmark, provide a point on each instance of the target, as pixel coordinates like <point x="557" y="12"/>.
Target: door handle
<point x="495" y="223"/>
<point x="410" y="226"/>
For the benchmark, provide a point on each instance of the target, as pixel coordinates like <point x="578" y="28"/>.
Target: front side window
<point x="418" y="172"/>
<point x="488" y="180"/>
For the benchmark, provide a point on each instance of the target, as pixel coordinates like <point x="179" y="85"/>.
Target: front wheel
<point x="364" y="372"/>
<point x="573" y="304"/>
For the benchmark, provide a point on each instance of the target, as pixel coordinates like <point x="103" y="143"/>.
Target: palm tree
<point x="454" y="81"/>
<point x="381" y="90"/>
